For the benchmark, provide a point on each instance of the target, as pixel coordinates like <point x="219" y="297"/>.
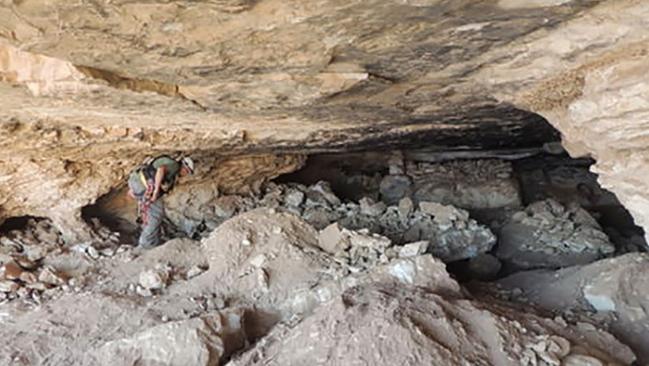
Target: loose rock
<point x="154" y="279"/>
<point x="549" y="235"/>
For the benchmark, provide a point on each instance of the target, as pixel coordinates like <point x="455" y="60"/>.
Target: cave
<point x="15" y="223"/>
<point x="382" y="183"/>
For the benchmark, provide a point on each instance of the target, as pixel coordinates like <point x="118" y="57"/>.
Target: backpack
<point x="142" y="177"/>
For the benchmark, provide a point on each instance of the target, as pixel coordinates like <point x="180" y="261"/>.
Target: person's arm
<point x="159" y="176"/>
<point x="131" y="194"/>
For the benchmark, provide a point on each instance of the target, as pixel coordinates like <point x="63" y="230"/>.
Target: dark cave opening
<point x="15" y="223"/>
<point x="115" y="211"/>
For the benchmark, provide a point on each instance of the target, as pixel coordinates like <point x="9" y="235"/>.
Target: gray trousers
<point x="150" y="236"/>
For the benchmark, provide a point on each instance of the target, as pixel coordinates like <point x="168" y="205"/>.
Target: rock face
<point x="549" y="235"/>
<point x="470" y="184"/>
<point x="169" y="78"/>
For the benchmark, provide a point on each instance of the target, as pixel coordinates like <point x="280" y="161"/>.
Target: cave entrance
<point x="15" y="223"/>
<point x="16" y="232"/>
<point x="512" y="201"/>
<point x="116" y="212"/>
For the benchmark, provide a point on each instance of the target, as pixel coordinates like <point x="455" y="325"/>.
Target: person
<point x="147" y="183"/>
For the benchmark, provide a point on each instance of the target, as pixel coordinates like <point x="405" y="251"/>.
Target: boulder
<point x="395" y="187"/>
<point x="203" y="341"/>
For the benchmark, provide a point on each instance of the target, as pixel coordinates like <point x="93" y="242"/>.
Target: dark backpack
<point x="144" y="175"/>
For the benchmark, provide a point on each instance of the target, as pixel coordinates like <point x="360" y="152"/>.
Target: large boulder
<point x="203" y="341"/>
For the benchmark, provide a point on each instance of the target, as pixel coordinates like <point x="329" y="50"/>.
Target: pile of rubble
<point x="27" y="270"/>
<point x="451" y="233"/>
<point x="549" y="235"/>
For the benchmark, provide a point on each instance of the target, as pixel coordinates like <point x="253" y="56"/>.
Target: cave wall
<point x="90" y="88"/>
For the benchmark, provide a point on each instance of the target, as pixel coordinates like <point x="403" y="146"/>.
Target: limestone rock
<point x="406" y="207"/>
<point x="294" y="198"/>
<point x="332" y="240"/>
<point x="50" y="276"/>
<point x="443" y="215"/>
<point x="154" y="279"/>
<point x="322" y="194"/>
<point x="8" y="286"/>
<point x="195" y="271"/>
<point x="413" y="249"/>
<point x="203" y="341"/>
<point x="371" y="208"/>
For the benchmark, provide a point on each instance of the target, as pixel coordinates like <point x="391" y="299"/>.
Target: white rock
<point x="413" y="249"/>
<point x="581" y="360"/>
<point x="406" y="206"/>
<point x="332" y="239"/>
<point x="258" y="261"/>
<point x="92" y="252"/>
<point x="371" y="208"/>
<point x="8" y="286"/>
<point x="144" y="292"/>
<point x="294" y="198"/>
<point x="49" y="276"/>
<point x="154" y="279"/>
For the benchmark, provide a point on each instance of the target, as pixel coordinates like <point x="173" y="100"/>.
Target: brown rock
<point x="11" y="271"/>
<point x="332" y="239"/>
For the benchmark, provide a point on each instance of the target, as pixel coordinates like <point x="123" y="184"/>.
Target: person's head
<point x="186" y="166"/>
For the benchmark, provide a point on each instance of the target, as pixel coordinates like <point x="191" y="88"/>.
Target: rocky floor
<point x="297" y="274"/>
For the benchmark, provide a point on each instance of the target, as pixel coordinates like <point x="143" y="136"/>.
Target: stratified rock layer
<point x="252" y="77"/>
